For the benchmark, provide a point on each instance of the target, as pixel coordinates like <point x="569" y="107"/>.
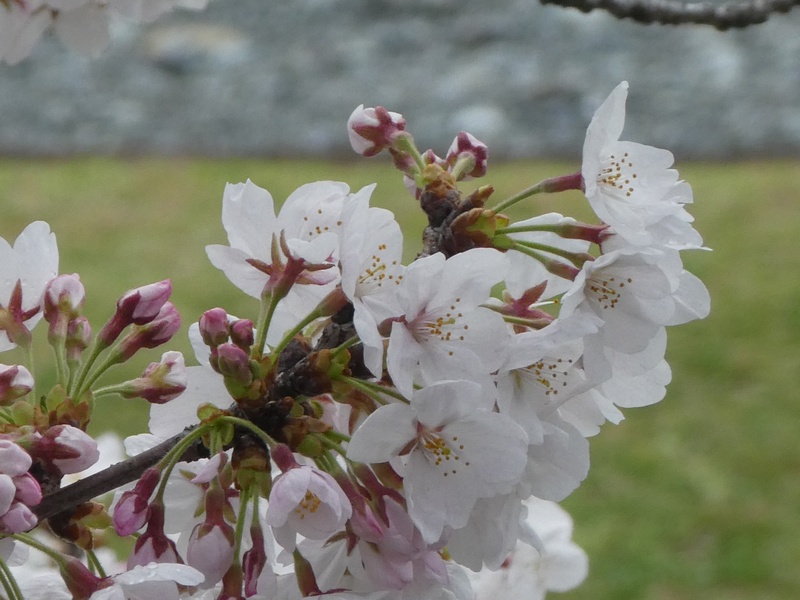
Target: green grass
<point x="696" y="497"/>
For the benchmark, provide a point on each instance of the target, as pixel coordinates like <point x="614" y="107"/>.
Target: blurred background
<point x="126" y="156"/>
<point x="248" y="77"/>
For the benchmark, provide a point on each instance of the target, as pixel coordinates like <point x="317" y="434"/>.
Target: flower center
<point x="309" y="504"/>
<point x="619" y="175"/>
<point x="442" y="452"/>
<point x="608" y="291"/>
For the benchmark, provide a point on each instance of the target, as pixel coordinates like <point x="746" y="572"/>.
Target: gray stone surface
<point x="261" y="77"/>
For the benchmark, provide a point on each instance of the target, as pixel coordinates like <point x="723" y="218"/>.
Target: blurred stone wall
<point x="280" y="78"/>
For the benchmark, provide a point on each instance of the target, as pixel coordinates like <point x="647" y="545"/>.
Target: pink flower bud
<point x="7" y="492"/>
<point x="130" y="512"/>
<point x="254" y="559"/>
<point x="79" y="335"/>
<point x="63" y="297"/>
<point x="210" y="551"/>
<point x="14" y="461"/>
<point x="66" y="448"/>
<point x="468" y="148"/>
<point x="210" y="548"/>
<point x="160" y="382"/>
<point x="372" y="129"/>
<point x="138" y="306"/>
<point x="158" y="331"/>
<point x="154" y="545"/>
<point x="19" y="518"/>
<point x="29" y="492"/>
<point x="79" y="580"/>
<point x="214" y="327"/>
<point x="242" y="333"/>
<point x="234" y="363"/>
<point x="15" y="382"/>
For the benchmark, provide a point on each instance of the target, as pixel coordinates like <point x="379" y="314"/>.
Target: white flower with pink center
<point x="629" y="186"/>
<point x="636" y="292"/>
<point x="371" y="251"/>
<point x="307" y="501"/>
<point x="455" y="451"/>
<point x="443" y="332"/>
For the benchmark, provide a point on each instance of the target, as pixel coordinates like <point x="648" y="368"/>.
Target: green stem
<point x="35" y="396"/>
<point x="94" y="562"/>
<point x="34" y="543"/>
<point x="265" y="312"/>
<point x="310" y="318"/>
<point x="94" y="352"/>
<point x="9" y="582"/>
<point x="252" y="427"/>
<point x="526" y="229"/>
<point x="373" y="390"/>
<point x="574" y="181"/>
<point x="172" y="457"/>
<point x="244" y="498"/>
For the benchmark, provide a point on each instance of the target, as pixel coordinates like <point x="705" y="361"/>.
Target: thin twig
<point x="672" y="12"/>
<point x="109" y="479"/>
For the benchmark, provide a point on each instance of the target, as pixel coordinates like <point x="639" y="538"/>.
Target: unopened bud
<point x="63" y="299"/>
<point x="242" y="333"/>
<point x="160" y="382"/>
<point x="138" y="307"/>
<point x="130" y="513"/>
<point x="372" y="129"/>
<point x="234" y="363"/>
<point x="467" y="156"/>
<point x="66" y="448"/>
<point x="151" y="335"/>
<point x="15" y="382"/>
<point x="213" y="326"/>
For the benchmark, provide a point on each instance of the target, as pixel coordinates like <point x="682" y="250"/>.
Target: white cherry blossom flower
<point x="307" y="501"/>
<point x="456" y="452"/>
<point x="636" y="292"/>
<point x="629" y="186"/>
<point x="371" y="251"/>
<point x="442" y="331"/>
<point x="557" y="564"/>
<point x="25" y="269"/>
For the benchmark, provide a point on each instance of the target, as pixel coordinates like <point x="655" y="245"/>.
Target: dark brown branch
<point x="109" y="479"/>
<point x="671" y="12"/>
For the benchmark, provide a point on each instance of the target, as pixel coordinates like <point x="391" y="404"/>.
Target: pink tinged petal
<point x="383" y="434"/>
<point x="14" y="461"/>
<point x="19" y="518"/>
<point x="210" y="554"/>
<point x="7" y="492"/>
<point x="29" y="492"/>
<point x="313" y="209"/>
<point x="446" y="402"/>
<point x="287" y="491"/>
<point x="478" y="457"/>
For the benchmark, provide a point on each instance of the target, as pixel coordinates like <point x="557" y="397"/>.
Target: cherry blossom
<point x="453" y="457"/>
<point x="25" y="269"/>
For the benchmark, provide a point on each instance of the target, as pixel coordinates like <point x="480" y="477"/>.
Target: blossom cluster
<point x="82" y="25"/>
<point x="379" y="429"/>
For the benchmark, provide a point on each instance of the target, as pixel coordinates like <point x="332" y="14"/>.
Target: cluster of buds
<point x="43" y="432"/>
